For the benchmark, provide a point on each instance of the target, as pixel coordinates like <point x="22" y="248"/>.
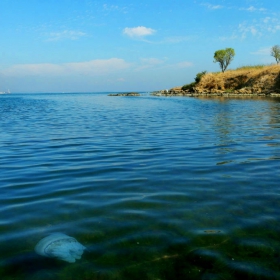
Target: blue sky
<point x="87" y="45"/>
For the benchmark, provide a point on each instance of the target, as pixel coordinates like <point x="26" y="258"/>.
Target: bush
<point x="197" y="80"/>
<point x="199" y="76"/>
<point x="188" y="86"/>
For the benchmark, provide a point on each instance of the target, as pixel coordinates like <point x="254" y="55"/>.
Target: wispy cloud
<point x="260" y="27"/>
<point x="154" y="63"/>
<point x="211" y="6"/>
<point x="65" y="35"/>
<point x="87" y="68"/>
<point x="262" y="51"/>
<point x="183" y="64"/>
<point x="271" y="24"/>
<point x="177" y="39"/>
<point x="253" y="9"/>
<point x="112" y="8"/>
<point x="146" y="63"/>
<point x="138" y="32"/>
<point x="250" y="29"/>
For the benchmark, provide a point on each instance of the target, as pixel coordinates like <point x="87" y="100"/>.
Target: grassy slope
<point x="250" y="79"/>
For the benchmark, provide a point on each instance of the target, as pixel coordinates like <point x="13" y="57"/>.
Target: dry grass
<point x="252" y="67"/>
<point x="259" y="77"/>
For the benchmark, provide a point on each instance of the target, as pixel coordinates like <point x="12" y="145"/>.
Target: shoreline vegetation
<point x="258" y="80"/>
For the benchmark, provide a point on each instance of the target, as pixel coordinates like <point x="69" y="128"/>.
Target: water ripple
<point x="155" y="188"/>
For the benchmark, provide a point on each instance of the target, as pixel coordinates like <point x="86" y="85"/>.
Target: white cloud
<point x="177" y="39"/>
<point x="87" y="68"/>
<point x="260" y="27"/>
<point x="246" y="29"/>
<point x="253" y="9"/>
<point x="149" y="63"/>
<point x="271" y="24"/>
<point x="65" y="35"/>
<point x="212" y="7"/>
<point x="262" y="51"/>
<point x="112" y="8"/>
<point x="139" y="31"/>
<point x="159" y="64"/>
<point x="152" y="61"/>
<point x="183" y="64"/>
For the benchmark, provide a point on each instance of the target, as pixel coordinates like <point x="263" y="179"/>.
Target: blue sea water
<point x="154" y="187"/>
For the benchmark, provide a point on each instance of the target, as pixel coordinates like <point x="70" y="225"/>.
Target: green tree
<point x="275" y="52"/>
<point x="224" y="57"/>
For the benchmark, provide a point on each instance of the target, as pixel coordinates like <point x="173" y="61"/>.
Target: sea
<point x="156" y="188"/>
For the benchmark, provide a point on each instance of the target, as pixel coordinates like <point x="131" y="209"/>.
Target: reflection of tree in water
<point x="223" y="126"/>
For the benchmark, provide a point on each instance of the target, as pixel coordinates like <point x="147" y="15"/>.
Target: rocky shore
<point x="262" y="81"/>
<point x="125" y="94"/>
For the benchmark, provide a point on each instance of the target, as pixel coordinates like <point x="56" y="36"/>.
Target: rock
<point x="125" y="94"/>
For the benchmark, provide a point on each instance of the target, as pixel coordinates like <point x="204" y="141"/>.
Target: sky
<point x="94" y="46"/>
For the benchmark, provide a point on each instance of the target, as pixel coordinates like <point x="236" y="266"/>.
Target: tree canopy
<point x="224" y="57"/>
<point x="275" y="52"/>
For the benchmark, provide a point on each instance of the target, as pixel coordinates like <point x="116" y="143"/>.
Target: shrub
<point x="188" y="86"/>
<point x="199" y="76"/>
<point x="197" y="80"/>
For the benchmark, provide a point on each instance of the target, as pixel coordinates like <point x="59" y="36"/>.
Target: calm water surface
<point x="155" y="188"/>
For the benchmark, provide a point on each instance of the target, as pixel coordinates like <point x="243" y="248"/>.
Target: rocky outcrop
<point x="258" y="81"/>
<point x="125" y="94"/>
<point x="263" y="81"/>
<point x="173" y="91"/>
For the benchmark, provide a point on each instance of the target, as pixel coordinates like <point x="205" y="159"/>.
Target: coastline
<point x="247" y="81"/>
<point x="214" y="94"/>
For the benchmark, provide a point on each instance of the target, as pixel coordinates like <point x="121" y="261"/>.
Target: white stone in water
<point x="60" y="246"/>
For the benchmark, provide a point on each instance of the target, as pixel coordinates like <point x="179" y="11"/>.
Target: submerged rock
<point x="60" y="246"/>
